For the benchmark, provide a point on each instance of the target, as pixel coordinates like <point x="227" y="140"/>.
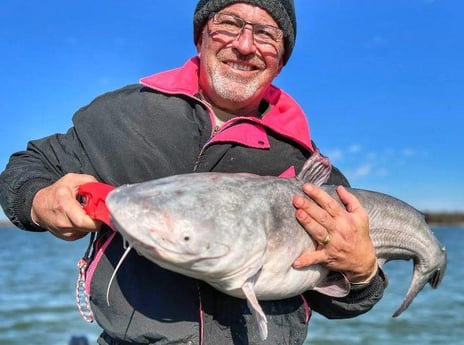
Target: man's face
<point x="235" y="70"/>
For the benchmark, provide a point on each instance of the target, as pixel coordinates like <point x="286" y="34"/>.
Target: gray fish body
<point x="220" y="228"/>
<point x="238" y="232"/>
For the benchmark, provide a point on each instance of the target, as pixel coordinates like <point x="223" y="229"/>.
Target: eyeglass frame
<point x="253" y="26"/>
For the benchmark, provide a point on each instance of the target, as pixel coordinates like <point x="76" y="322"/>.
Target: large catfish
<point x="238" y="232"/>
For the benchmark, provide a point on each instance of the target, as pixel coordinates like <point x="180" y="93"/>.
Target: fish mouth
<point x="158" y="250"/>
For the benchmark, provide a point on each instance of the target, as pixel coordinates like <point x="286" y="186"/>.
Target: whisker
<point x="123" y="257"/>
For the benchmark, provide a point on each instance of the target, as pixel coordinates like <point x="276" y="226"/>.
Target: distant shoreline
<point x="444" y="218"/>
<point x="432" y="218"/>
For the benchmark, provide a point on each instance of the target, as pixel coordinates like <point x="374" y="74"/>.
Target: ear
<point x="199" y="43"/>
<point x="279" y="68"/>
<point x="281" y="54"/>
<point x="281" y="65"/>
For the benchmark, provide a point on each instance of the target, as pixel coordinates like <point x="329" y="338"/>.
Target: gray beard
<point x="224" y="86"/>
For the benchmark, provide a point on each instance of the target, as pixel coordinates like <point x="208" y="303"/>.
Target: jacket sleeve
<point x="42" y="163"/>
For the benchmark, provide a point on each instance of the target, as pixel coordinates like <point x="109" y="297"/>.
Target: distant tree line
<point x="451" y="218"/>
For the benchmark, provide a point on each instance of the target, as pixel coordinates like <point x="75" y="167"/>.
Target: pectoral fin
<point x="334" y="284"/>
<point x="249" y="291"/>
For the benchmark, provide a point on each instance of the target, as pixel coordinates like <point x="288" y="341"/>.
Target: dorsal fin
<point x="316" y="169"/>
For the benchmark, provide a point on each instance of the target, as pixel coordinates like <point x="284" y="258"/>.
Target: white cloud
<point x="363" y="170"/>
<point x="360" y="164"/>
<point x="354" y="148"/>
<point x="407" y="152"/>
<point x="379" y="40"/>
<point x="382" y="172"/>
<point x="372" y="156"/>
<point x="334" y="154"/>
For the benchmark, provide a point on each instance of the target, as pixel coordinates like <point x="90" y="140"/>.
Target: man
<point x="218" y="112"/>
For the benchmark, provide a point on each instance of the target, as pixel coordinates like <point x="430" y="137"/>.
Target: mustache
<point x="232" y="54"/>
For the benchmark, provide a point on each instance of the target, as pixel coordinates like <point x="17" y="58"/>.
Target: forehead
<point x="250" y="13"/>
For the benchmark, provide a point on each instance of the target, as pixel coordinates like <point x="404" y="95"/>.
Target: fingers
<point x="316" y="221"/>
<point x="56" y="208"/>
<point x="351" y="203"/>
<point x="310" y="257"/>
<point x="317" y="213"/>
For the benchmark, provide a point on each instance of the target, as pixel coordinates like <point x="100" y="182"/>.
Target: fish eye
<point x="186" y="238"/>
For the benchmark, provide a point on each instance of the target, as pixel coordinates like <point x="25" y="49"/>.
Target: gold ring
<point x="326" y="240"/>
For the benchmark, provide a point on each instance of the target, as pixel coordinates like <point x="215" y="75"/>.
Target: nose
<point x="245" y="42"/>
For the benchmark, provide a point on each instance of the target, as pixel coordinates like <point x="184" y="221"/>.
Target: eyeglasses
<point x="232" y="25"/>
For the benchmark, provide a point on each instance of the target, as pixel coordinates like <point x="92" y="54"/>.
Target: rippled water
<point x="38" y="272"/>
<point x="37" y="277"/>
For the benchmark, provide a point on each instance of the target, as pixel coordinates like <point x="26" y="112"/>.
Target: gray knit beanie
<point x="283" y="12"/>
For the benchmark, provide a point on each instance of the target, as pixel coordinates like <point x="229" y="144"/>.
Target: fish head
<point x="163" y="227"/>
<point x="175" y="240"/>
<point x="185" y="224"/>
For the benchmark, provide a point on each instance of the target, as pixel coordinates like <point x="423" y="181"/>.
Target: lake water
<point x="38" y="271"/>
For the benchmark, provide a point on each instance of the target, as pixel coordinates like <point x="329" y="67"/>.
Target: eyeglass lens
<point x="234" y="25"/>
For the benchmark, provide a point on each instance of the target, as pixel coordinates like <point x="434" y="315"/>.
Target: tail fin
<point x="437" y="277"/>
<point x="435" y="280"/>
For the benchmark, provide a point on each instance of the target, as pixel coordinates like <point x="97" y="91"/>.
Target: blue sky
<point x="381" y="82"/>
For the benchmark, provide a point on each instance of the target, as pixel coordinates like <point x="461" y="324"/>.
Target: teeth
<point x="240" y="67"/>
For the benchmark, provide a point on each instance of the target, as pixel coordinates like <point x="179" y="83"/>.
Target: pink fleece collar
<point x="285" y="116"/>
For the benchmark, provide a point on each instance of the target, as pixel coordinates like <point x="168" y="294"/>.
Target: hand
<point x="349" y="248"/>
<point x="56" y="208"/>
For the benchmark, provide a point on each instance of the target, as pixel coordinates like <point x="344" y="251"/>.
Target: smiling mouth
<point x="241" y="67"/>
